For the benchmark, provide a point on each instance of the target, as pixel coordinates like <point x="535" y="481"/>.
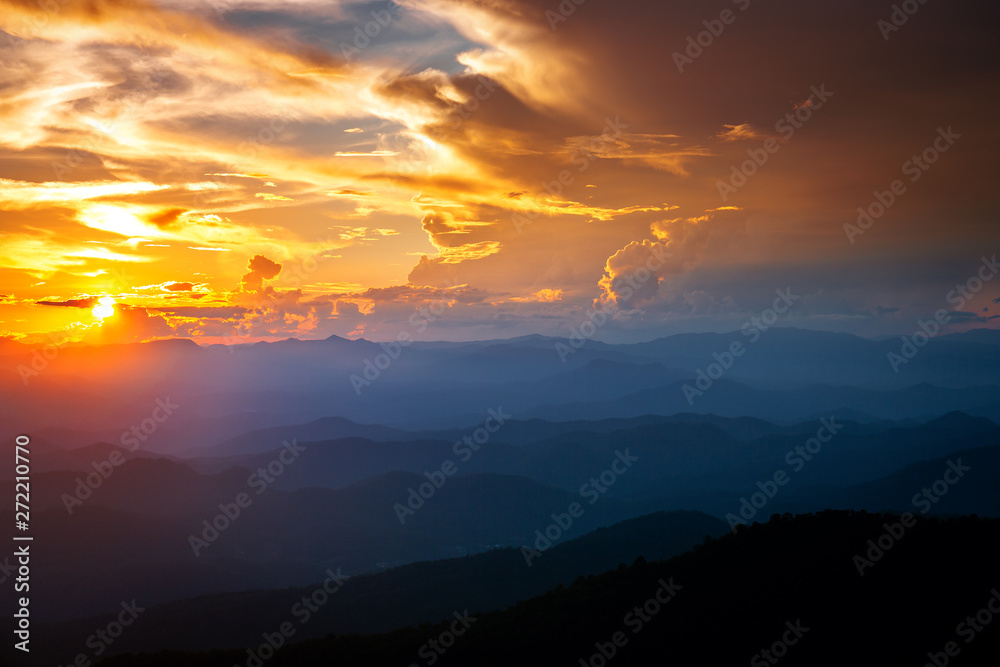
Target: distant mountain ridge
<point x="785" y="376"/>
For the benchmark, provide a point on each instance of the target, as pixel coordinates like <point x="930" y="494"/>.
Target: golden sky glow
<point x="105" y="308"/>
<point x="247" y="170"/>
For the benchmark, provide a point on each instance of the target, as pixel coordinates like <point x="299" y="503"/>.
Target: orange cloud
<point x="541" y="296"/>
<point x="260" y="268"/>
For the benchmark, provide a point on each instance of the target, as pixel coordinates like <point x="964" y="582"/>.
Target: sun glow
<point x="105" y="307"/>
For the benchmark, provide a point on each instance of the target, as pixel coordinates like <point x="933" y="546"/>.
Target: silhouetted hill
<point x="407" y="595"/>
<point x="971" y="491"/>
<point x="980" y="336"/>
<point x="793" y="579"/>
<point x="328" y="428"/>
<point x="338" y="463"/>
<point x="732" y="399"/>
<point x="961" y="422"/>
<point x="678" y="452"/>
<point x="83" y="458"/>
<point x="143" y="517"/>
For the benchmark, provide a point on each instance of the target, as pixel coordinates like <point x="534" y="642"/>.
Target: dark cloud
<point x="166" y="218"/>
<point x="214" y="312"/>
<point x="35" y="164"/>
<point x="437" y="224"/>
<point x="415" y="294"/>
<point x="964" y="317"/>
<point x="260" y="269"/>
<point x="71" y="303"/>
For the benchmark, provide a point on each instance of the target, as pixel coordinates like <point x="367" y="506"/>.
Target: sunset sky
<point x="240" y="170"/>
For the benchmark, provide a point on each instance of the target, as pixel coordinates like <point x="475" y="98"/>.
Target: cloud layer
<point x="241" y="170"/>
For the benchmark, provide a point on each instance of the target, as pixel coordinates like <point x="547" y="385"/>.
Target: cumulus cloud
<point x="633" y="274"/>
<point x="636" y="276"/>
<point x="259" y="268"/>
<point x="131" y="325"/>
<point x="741" y="132"/>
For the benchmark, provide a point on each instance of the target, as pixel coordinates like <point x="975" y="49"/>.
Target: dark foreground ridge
<point x="411" y="594"/>
<point x="833" y="588"/>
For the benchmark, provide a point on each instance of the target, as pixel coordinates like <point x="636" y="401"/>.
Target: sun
<point x="105" y="307"/>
